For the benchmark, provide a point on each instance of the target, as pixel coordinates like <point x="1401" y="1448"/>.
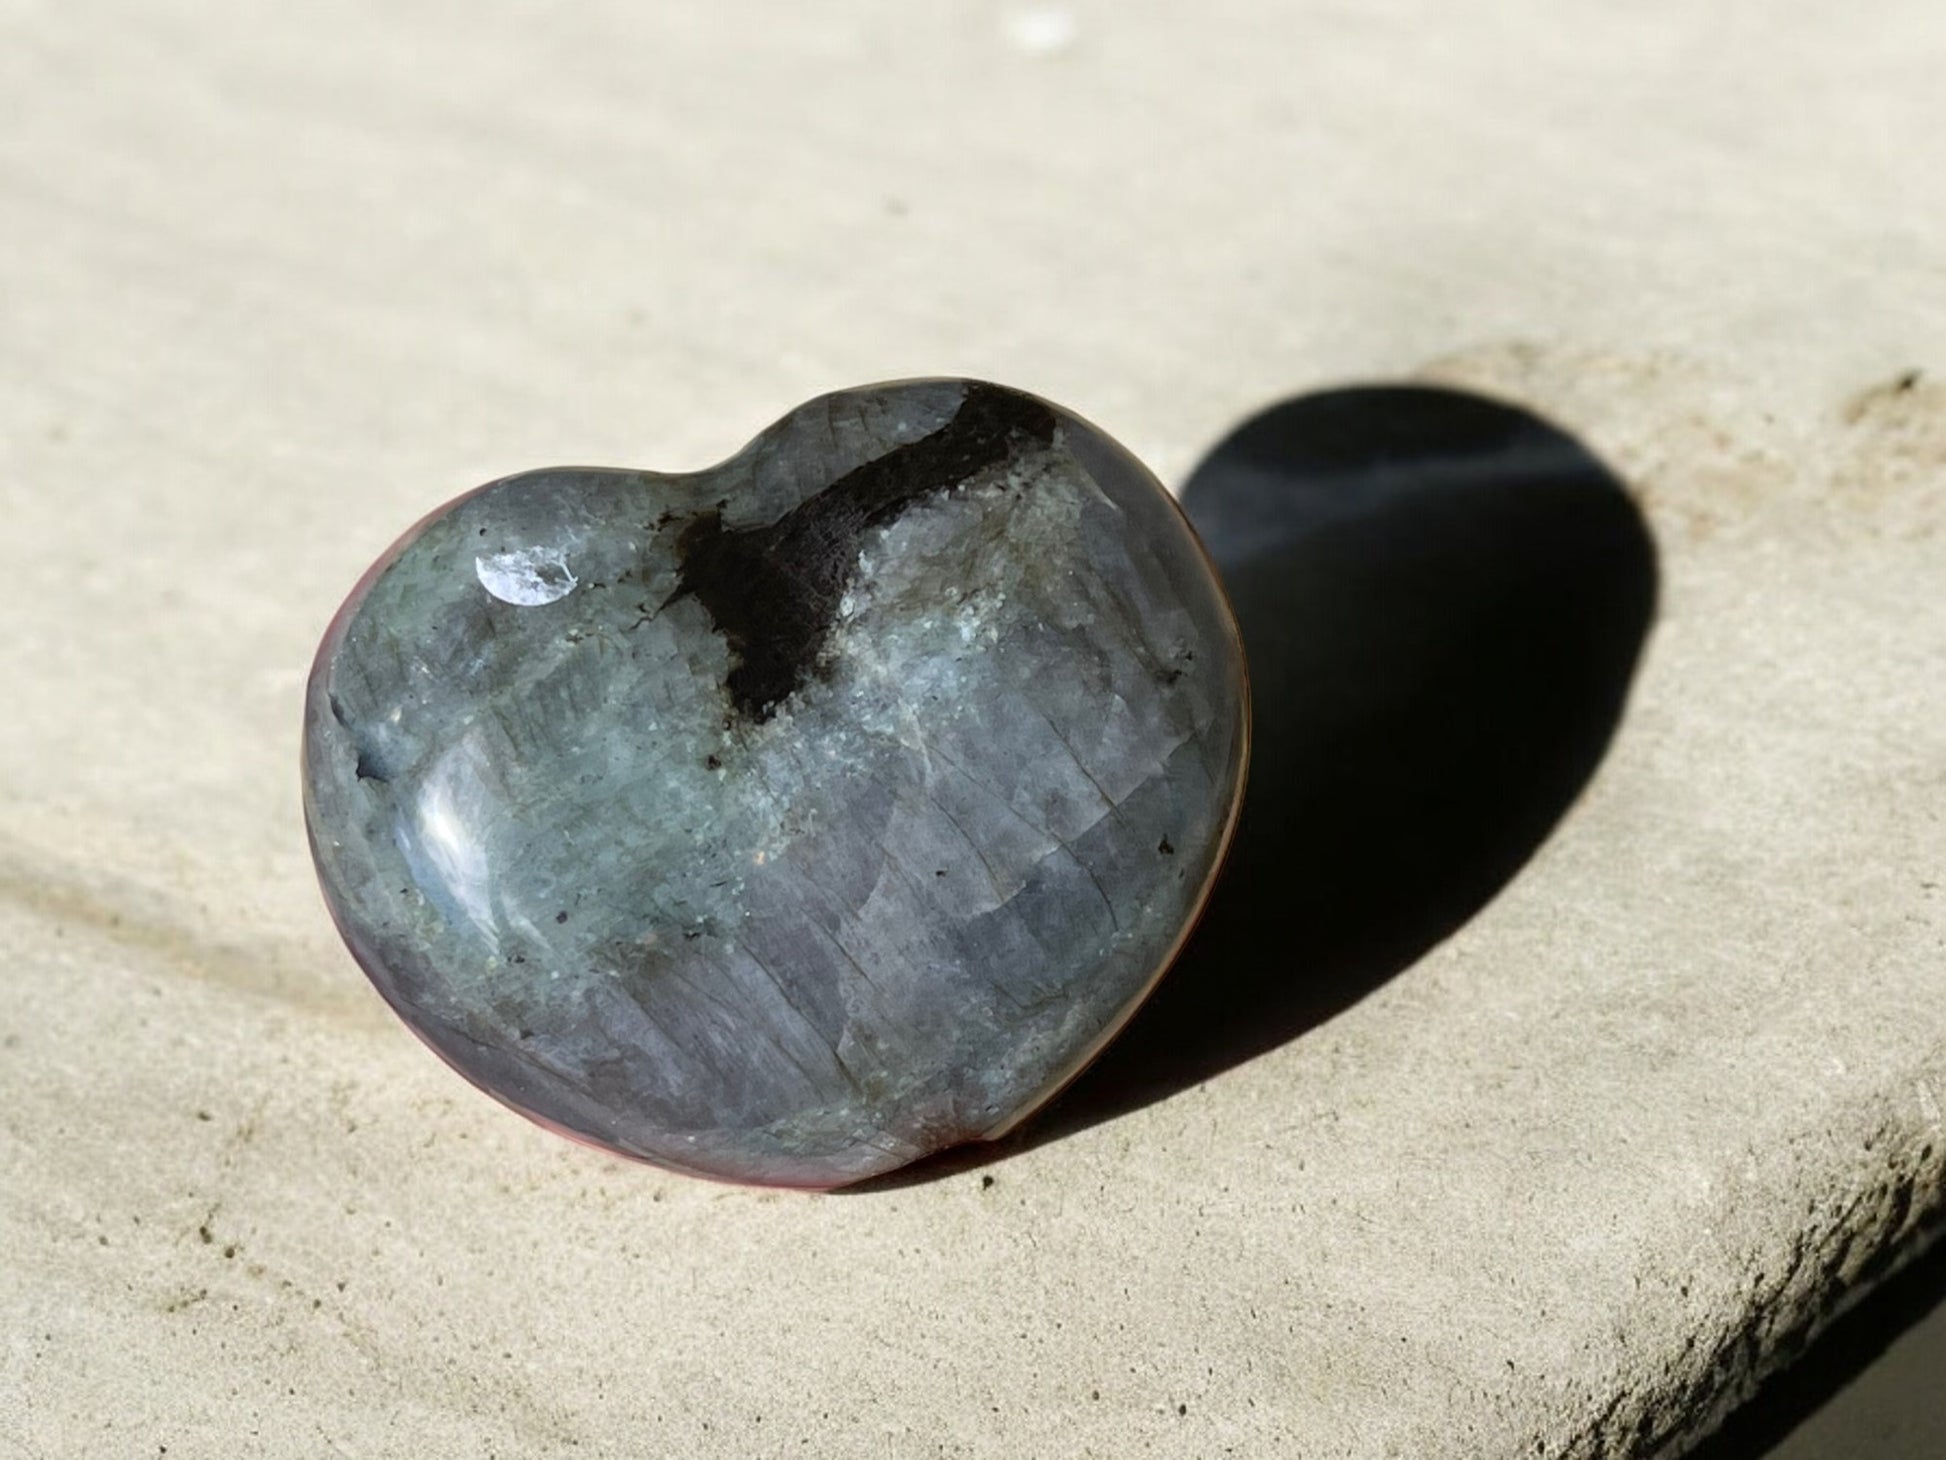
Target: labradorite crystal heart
<point x="789" y="820"/>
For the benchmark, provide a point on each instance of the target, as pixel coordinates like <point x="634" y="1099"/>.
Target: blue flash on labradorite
<point x="792" y="819"/>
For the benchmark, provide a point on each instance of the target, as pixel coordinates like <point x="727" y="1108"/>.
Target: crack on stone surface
<point x="773" y="591"/>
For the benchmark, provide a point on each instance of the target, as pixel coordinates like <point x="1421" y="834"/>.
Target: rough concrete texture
<point x="275" y="281"/>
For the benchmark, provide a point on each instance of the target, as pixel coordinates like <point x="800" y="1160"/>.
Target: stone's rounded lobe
<point x="789" y="820"/>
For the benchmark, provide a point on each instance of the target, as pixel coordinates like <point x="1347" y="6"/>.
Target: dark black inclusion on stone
<point x="773" y="591"/>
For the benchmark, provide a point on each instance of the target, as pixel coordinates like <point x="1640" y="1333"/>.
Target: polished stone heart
<point x="792" y="819"/>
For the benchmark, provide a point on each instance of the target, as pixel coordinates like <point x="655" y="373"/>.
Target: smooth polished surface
<point x="277" y="279"/>
<point x="793" y="819"/>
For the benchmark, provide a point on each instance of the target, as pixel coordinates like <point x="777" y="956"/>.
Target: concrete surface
<point x="276" y="280"/>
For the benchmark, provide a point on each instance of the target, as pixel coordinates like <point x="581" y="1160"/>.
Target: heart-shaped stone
<point x="789" y="820"/>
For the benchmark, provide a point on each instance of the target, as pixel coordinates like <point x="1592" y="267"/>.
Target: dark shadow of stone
<point x="1443" y="598"/>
